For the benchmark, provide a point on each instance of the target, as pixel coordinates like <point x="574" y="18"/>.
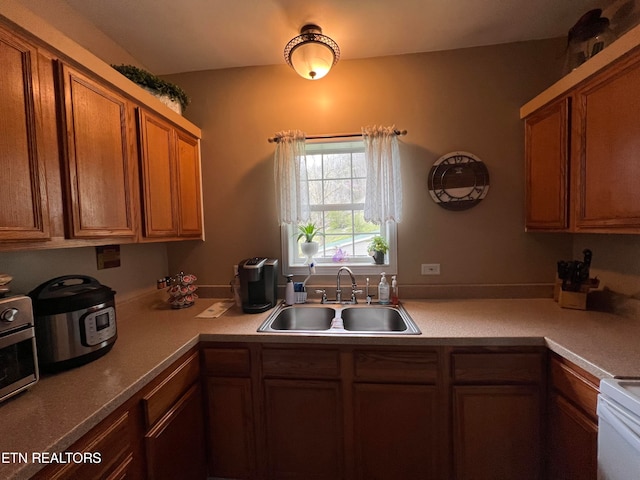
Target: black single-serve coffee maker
<point x="258" y="284"/>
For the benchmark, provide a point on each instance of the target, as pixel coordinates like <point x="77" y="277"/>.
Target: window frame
<point x="288" y="236"/>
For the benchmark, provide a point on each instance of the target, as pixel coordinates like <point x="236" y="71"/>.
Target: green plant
<point x="149" y="80"/>
<point x="308" y="231"/>
<point x="378" y="244"/>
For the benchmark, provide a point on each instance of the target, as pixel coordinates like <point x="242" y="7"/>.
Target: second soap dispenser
<point x="383" y="290"/>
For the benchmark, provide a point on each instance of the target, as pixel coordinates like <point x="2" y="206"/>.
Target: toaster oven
<point x="18" y="356"/>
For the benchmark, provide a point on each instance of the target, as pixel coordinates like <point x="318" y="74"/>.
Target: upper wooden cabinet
<point x="158" y="176"/>
<point x="582" y="136"/>
<point x="189" y="192"/>
<point x="170" y="177"/>
<point x="24" y="214"/>
<point x="99" y="158"/>
<point x="547" y="167"/>
<point x="69" y="150"/>
<point x="606" y="144"/>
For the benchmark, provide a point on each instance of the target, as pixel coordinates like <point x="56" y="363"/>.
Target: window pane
<point x="337" y="191"/>
<point x="359" y="169"/>
<point x="339" y="222"/>
<point x="337" y="165"/>
<point x="315" y="192"/>
<point x="314" y="167"/>
<point x="340" y="245"/>
<point x="358" y="190"/>
<point x="364" y="227"/>
<point x="362" y="243"/>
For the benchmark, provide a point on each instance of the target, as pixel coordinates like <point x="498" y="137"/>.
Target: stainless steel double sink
<point x="337" y="319"/>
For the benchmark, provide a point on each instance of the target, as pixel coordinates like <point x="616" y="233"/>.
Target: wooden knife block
<point x="574" y="300"/>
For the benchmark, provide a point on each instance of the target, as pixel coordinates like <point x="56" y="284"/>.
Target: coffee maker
<point x="258" y="284"/>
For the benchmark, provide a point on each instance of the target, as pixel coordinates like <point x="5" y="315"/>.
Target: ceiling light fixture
<point x="311" y="54"/>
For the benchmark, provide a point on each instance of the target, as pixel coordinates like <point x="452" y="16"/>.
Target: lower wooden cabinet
<point x="498" y="413"/>
<point x="304" y="429"/>
<point x="230" y="428"/>
<point x="157" y="434"/>
<point x="396" y="432"/>
<point x="497" y="432"/>
<point x="230" y="405"/>
<point x="107" y="453"/>
<point x="291" y="411"/>
<point x="572" y="422"/>
<point x="175" y="446"/>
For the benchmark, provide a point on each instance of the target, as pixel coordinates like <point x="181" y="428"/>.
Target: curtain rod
<point x="337" y="135"/>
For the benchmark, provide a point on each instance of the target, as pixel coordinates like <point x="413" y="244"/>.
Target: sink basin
<point x="318" y="319"/>
<point x="377" y="319"/>
<point x="303" y="318"/>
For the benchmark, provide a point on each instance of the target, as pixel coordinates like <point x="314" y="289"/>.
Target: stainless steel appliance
<point x="75" y="321"/>
<point x="18" y="357"/>
<point x="258" y="284"/>
<point x="619" y="430"/>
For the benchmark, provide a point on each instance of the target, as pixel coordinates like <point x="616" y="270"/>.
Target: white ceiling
<point x="171" y="36"/>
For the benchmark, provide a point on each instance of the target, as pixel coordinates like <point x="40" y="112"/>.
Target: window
<point x="336" y="178"/>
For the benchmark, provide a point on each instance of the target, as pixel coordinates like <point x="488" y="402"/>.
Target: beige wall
<point x="141" y="266"/>
<point x="455" y="100"/>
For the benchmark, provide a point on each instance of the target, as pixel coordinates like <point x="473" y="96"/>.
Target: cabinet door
<point x="573" y="442"/>
<point x="304" y="432"/>
<point x="396" y="432"/>
<point x="189" y="194"/>
<point x="607" y="162"/>
<point x="176" y="445"/>
<point x="24" y="214"/>
<point x="497" y="432"/>
<point x="99" y="159"/>
<point x="547" y="167"/>
<point x="230" y="428"/>
<point x="158" y="176"/>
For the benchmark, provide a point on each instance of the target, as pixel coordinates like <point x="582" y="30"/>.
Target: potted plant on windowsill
<point x="377" y="249"/>
<point x="308" y="231"/>
<point x="171" y="95"/>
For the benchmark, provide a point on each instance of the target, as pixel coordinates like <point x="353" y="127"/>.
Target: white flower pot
<point x="309" y="249"/>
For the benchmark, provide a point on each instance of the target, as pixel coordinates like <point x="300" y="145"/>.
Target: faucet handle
<point x="353" y="295"/>
<point x="324" y="295"/>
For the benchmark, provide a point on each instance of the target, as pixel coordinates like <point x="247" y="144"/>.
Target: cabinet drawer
<point x="227" y="362"/>
<point x="159" y="400"/>
<point x="497" y="367"/>
<point x="396" y="365"/>
<point x="112" y="443"/>
<point x="577" y="385"/>
<point x="294" y="362"/>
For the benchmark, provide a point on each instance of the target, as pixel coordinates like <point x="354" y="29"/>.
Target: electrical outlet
<point x="430" y="269"/>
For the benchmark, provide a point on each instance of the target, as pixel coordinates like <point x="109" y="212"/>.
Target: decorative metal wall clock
<point x="458" y="181"/>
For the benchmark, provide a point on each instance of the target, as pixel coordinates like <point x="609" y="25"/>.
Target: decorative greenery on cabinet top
<point x="153" y="82"/>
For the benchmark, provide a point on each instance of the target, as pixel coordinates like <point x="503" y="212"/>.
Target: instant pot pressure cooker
<point x="75" y="321"/>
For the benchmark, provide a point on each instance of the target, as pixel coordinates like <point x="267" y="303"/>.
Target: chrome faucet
<point x="354" y="286"/>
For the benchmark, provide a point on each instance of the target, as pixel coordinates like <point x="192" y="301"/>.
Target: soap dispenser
<point x="289" y="294"/>
<point x="383" y="290"/>
<point x="394" y="291"/>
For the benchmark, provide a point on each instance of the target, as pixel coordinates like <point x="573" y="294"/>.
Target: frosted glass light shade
<point x="311" y="54"/>
<point x="312" y="60"/>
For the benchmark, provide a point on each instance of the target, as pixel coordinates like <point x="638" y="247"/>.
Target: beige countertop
<point x="61" y="408"/>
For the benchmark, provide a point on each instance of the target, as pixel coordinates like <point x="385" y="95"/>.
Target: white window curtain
<point x="290" y="173"/>
<point x="383" y="198"/>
